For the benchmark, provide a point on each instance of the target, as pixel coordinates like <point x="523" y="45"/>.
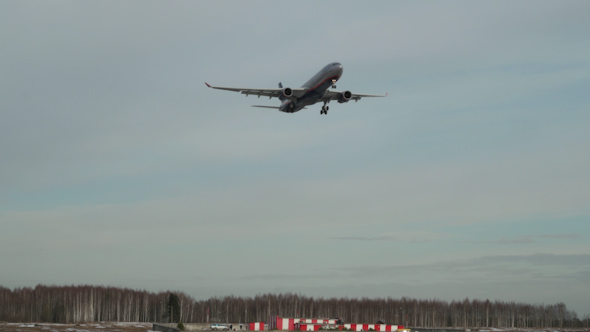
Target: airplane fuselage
<point x="317" y="85"/>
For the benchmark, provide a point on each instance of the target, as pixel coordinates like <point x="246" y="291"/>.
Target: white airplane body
<point x="313" y="91"/>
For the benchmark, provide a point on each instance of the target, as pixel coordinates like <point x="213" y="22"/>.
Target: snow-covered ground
<point x="146" y="327"/>
<point x="92" y="327"/>
<point x="507" y="329"/>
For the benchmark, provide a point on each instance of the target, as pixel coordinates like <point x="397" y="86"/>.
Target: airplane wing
<point x="275" y="107"/>
<point x="297" y="93"/>
<point x="336" y="95"/>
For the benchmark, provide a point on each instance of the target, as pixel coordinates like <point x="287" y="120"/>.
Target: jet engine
<point x="344" y="96"/>
<point x="286" y="93"/>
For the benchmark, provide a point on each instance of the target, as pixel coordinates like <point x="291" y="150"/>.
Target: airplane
<point x="313" y="91"/>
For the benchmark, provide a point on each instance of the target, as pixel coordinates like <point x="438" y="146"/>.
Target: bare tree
<point x="75" y="304"/>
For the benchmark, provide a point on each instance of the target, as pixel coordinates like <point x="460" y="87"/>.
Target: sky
<point x="119" y="167"/>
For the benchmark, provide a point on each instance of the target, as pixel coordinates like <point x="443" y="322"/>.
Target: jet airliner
<point x="313" y="91"/>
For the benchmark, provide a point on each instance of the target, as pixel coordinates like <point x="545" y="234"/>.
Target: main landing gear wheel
<point x="324" y="109"/>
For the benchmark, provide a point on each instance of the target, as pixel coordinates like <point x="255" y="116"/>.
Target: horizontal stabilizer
<point x="275" y="107"/>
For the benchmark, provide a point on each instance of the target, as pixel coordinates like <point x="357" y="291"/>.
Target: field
<point x="147" y="327"/>
<point x="94" y="327"/>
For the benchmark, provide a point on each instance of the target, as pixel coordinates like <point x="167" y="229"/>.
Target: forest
<point x="84" y="303"/>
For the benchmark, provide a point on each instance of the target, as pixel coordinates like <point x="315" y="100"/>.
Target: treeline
<point x="76" y="304"/>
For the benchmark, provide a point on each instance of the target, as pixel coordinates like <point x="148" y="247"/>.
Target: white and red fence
<point x="352" y="327"/>
<point x="288" y="324"/>
<point x="316" y="324"/>
<point x="258" y="326"/>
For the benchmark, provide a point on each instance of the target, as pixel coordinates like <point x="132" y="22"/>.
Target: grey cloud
<point x="579" y="260"/>
<point x="365" y="238"/>
<point x="506" y="277"/>
<point x="524" y="266"/>
<point x="571" y="236"/>
<point x="286" y="277"/>
<point x="399" y="237"/>
<point x="361" y="238"/>
<point x="528" y="239"/>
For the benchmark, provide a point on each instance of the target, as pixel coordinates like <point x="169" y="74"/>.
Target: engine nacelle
<point x="286" y="93"/>
<point x="345" y="96"/>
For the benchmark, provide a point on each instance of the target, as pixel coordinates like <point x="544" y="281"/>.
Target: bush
<point x="180" y="326"/>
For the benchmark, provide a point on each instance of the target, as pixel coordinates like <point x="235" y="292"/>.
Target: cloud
<point x="399" y="237"/>
<point x="531" y="239"/>
<point x="366" y="238"/>
<point x="536" y="278"/>
<point x="485" y="269"/>
<point x="570" y="236"/>
<point x="541" y="266"/>
<point x="284" y="276"/>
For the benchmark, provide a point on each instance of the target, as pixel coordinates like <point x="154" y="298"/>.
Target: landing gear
<point x="324" y="109"/>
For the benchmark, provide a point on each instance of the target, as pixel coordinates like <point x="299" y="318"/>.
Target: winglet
<point x="207" y="84"/>
<point x="385" y="94"/>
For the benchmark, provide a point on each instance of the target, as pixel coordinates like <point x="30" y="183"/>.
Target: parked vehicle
<point x="219" y="327"/>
